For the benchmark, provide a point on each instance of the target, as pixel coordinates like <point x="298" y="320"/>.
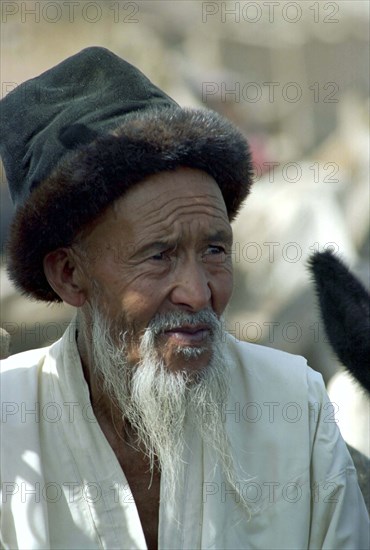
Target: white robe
<point x="62" y="486"/>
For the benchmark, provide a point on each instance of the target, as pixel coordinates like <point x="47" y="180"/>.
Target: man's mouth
<point x="187" y="335"/>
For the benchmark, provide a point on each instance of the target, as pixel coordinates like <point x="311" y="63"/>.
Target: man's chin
<point x="185" y="358"/>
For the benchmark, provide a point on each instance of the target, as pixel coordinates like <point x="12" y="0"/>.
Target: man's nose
<point x="191" y="288"/>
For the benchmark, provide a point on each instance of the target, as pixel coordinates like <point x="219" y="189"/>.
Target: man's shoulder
<point x="24" y="360"/>
<point x="33" y="358"/>
<point x="20" y="374"/>
<point x="255" y="354"/>
<point x="271" y="367"/>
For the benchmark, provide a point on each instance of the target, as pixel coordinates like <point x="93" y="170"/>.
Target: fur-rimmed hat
<point x="78" y="136"/>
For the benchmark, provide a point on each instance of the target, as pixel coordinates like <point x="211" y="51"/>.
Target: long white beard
<point x="156" y="401"/>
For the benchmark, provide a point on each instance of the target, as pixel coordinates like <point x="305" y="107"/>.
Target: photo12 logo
<point x="270" y="92"/>
<point x="270" y="12"/>
<point x="53" y="12"/>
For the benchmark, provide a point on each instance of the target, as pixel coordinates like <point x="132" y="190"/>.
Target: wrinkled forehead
<point x="178" y="188"/>
<point x="162" y="203"/>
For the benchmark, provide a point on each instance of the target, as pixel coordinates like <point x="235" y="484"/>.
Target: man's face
<point x="165" y="247"/>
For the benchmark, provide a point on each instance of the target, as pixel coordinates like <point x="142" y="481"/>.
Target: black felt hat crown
<point x="75" y="138"/>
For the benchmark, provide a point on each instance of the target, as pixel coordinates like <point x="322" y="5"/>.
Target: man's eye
<point x="161" y="256"/>
<point x="158" y="256"/>
<point x="213" y="249"/>
<point x="214" y="254"/>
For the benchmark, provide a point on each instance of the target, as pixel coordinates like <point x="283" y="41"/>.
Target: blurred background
<point x="294" y="77"/>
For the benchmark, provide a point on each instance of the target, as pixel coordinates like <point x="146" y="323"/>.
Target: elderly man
<point x="146" y="425"/>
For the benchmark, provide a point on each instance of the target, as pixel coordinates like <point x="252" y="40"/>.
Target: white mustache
<point x="169" y="321"/>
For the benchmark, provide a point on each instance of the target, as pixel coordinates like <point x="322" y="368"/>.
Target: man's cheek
<point x="224" y="290"/>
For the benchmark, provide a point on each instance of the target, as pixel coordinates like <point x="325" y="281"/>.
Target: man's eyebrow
<point x="155" y="245"/>
<point x="221" y="236"/>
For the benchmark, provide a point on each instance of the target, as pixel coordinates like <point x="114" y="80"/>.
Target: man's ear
<point x="64" y="277"/>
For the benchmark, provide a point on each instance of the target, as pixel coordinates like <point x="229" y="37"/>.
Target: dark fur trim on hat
<point x="84" y="184"/>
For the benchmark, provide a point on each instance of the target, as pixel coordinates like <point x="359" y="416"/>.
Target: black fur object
<point x="87" y="181"/>
<point x="345" y="309"/>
